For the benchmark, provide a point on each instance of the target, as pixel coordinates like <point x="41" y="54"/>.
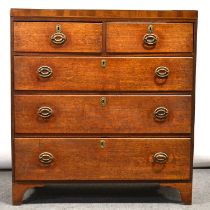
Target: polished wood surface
<point x="84" y="159"/>
<point x="124" y="114"/>
<point x="36" y="37"/>
<point x="128" y="37"/>
<point x="160" y="14"/>
<point x="86" y="73"/>
<point x="19" y="189"/>
<point x="113" y="141"/>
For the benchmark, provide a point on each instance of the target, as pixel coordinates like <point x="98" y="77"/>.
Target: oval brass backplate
<point x="103" y="101"/>
<point x="44" y="71"/>
<point x="58" y="38"/>
<point x="161" y="113"/>
<point x="150" y="39"/>
<point x="162" y="72"/>
<point x="102" y="143"/>
<point x="160" y="157"/>
<point x="45" y="112"/>
<point x="46" y="158"/>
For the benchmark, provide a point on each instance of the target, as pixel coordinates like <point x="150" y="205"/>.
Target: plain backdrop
<point x="202" y="126"/>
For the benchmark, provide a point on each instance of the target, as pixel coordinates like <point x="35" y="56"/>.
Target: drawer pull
<point x="103" y="101"/>
<point x="162" y="72"/>
<point x="102" y="143"/>
<point x="150" y="39"/>
<point x="45" y="112"/>
<point x="161" y="113"/>
<point x="58" y="37"/>
<point x="103" y="63"/>
<point x="46" y="158"/>
<point x="160" y="157"/>
<point x="44" y="71"/>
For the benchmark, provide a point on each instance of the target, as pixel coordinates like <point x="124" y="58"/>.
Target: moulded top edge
<point x="177" y="14"/>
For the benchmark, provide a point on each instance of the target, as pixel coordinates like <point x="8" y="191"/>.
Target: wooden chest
<point x="103" y="96"/>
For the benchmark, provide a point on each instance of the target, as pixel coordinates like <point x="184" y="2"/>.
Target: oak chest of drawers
<point x="103" y="96"/>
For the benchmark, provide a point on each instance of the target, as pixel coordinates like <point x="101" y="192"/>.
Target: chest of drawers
<point x="103" y="96"/>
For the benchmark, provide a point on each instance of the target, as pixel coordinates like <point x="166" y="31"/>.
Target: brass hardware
<point x="161" y="113"/>
<point x="102" y="143"/>
<point x="58" y="37"/>
<point x="103" y="63"/>
<point x="44" y="71"/>
<point x="150" y="39"/>
<point x="162" y="72"/>
<point x="103" y="101"/>
<point x="46" y="158"/>
<point x="45" y="112"/>
<point x="160" y="157"/>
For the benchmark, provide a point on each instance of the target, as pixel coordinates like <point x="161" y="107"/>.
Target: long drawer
<point x="167" y="37"/>
<point x="103" y="73"/>
<point x="57" y="37"/>
<point x="89" y="159"/>
<point x="97" y="114"/>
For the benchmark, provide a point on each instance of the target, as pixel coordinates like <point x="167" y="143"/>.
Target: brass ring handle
<point x="162" y="72"/>
<point x="45" y="112"/>
<point x="44" y="71"/>
<point x="161" y="113"/>
<point x="160" y="157"/>
<point x="58" y="38"/>
<point x="150" y="39"/>
<point x="46" y="158"/>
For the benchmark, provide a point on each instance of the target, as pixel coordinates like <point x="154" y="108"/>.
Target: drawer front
<point x="86" y="159"/>
<point x="96" y="114"/>
<point x="48" y="37"/>
<point x="103" y="73"/>
<point x="167" y="37"/>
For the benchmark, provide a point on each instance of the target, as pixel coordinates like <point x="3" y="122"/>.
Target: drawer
<point x="97" y="114"/>
<point x="86" y="159"/>
<point x="161" y="37"/>
<point x="48" y="37"/>
<point x="103" y="73"/>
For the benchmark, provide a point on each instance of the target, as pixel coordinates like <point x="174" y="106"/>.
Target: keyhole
<point x="103" y="63"/>
<point x="102" y="144"/>
<point x="103" y="101"/>
<point x="150" y="29"/>
<point x="58" y="28"/>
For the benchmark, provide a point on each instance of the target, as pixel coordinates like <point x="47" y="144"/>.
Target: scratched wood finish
<point x="86" y="74"/>
<point x="128" y="37"/>
<point x="84" y="114"/>
<point x="36" y="37"/>
<point x="120" y="159"/>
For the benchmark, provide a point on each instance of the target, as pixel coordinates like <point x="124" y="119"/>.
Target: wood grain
<point x="113" y="14"/>
<point x="19" y="189"/>
<point x="36" y="37"/>
<point x="120" y="159"/>
<point x="127" y="82"/>
<point x="86" y="74"/>
<point x="128" y="37"/>
<point x="82" y="114"/>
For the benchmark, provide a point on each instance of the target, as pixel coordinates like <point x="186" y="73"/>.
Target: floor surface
<point x="108" y="196"/>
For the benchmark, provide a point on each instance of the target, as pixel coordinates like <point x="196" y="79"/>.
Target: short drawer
<point x="147" y="38"/>
<point x="57" y="37"/>
<point x="102" y="159"/>
<point x="103" y="73"/>
<point x="97" y="114"/>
